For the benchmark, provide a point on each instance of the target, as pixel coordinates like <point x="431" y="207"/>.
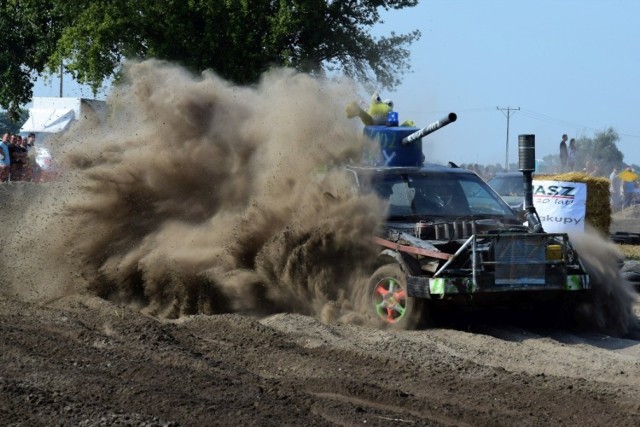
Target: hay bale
<point x="598" y="209"/>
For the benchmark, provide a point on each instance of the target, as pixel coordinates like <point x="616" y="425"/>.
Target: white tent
<point x="53" y="115"/>
<point x="48" y="120"/>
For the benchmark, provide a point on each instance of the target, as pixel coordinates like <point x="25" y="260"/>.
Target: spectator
<point x="564" y="153"/>
<point x="628" y="188"/>
<point x="34" y="168"/>
<point x="29" y="160"/>
<point x="5" y="163"/>
<point x="31" y="140"/>
<point x="18" y="158"/>
<point x="614" y="190"/>
<point x="571" y="154"/>
<point x="22" y="142"/>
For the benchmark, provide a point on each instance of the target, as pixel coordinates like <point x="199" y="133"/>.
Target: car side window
<point x="516" y="187"/>
<point x="481" y="201"/>
<point x="400" y="199"/>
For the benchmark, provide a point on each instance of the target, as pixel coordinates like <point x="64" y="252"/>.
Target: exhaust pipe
<point x="527" y="165"/>
<point x="452" y="117"/>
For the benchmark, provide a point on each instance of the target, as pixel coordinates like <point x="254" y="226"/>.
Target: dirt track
<point x="81" y="360"/>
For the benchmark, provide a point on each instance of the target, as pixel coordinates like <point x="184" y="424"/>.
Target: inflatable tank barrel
<point x="451" y="117"/>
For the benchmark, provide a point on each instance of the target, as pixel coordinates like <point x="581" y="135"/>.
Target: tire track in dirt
<point x="100" y="359"/>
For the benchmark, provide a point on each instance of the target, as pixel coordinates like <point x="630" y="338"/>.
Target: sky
<point x="570" y="66"/>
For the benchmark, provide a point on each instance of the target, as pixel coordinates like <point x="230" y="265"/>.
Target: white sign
<point x="561" y="205"/>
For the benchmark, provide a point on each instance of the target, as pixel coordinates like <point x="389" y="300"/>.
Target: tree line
<point x="600" y="150"/>
<point x="237" y="39"/>
<point x="13" y="126"/>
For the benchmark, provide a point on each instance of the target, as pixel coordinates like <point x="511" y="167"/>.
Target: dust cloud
<point x="609" y="305"/>
<point x="197" y="196"/>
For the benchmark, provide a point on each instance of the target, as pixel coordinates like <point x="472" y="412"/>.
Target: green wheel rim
<point x="390" y="300"/>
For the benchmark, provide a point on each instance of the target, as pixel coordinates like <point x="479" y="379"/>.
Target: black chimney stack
<point x="527" y="165"/>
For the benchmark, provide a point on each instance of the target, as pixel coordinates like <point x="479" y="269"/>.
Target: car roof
<point x="510" y="173"/>
<point x="411" y="169"/>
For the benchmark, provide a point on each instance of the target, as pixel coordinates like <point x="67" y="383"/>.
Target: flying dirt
<point x="196" y="265"/>
<point x="201" y="197"/>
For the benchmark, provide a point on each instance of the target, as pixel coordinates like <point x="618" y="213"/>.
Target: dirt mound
<point x="84" y="361"/>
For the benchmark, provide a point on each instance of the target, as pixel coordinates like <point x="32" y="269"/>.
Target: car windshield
<point x="439" y="195"/>
<point x="508" y="185"/>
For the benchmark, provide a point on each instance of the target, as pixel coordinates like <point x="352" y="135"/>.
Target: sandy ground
<point x="81" y="360"/>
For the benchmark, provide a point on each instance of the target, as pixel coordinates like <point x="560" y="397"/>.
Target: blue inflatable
<point x="392" y="151"/>
<point x="400" y="145"/>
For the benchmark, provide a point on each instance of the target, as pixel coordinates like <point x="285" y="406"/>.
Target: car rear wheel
<point x="389" y="299"/>
<point x="631" y="272"/>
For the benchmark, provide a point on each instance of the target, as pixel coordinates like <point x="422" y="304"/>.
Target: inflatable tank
<point x="400" y="145"/>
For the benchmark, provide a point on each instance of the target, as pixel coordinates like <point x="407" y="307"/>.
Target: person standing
<point x="571" y="154"/>
<point x="31" y="140"/>
<point x="628" y="188"/>
<point x="614" y="190"/>
<point x="34" y="169"/>
<point x="27" y="166"/>
<point x="564" y="153"/>
<point x="18" y="156"/>
<point x="5" y="162"/>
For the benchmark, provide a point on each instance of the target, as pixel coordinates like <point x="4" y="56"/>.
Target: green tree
<point x="8" y="125"/>
<point x="238" y="39"/>
<point x="601" y="151"/>
<point x="28" y="33"/>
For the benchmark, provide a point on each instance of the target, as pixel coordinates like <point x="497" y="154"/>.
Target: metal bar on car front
<point x="410" y="249"/>
<point x="458" y="252"/>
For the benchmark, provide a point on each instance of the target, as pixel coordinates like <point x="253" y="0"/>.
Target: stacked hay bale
<point x="598" y="209"/>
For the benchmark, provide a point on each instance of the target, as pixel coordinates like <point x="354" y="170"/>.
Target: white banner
<point x="561" y="205"/>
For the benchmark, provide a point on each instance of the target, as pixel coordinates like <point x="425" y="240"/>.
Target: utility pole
<point x="508" y="112"/>
<point x="61" y="77"/>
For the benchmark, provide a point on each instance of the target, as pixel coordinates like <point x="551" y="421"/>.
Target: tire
<point x="631" y="272"/>
<point x="389" y="301"/>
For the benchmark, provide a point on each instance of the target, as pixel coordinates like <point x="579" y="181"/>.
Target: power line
<point x="509" y="112"/>
<point x="553" y="120"/>
<point x="532" y="115"/>
<point x="564" y="123"/>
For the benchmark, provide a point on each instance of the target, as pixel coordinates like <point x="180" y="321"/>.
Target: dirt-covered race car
<point x="450" y="238"/>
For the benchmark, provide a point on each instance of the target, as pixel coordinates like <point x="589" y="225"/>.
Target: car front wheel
<point x="389" y="299"/>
